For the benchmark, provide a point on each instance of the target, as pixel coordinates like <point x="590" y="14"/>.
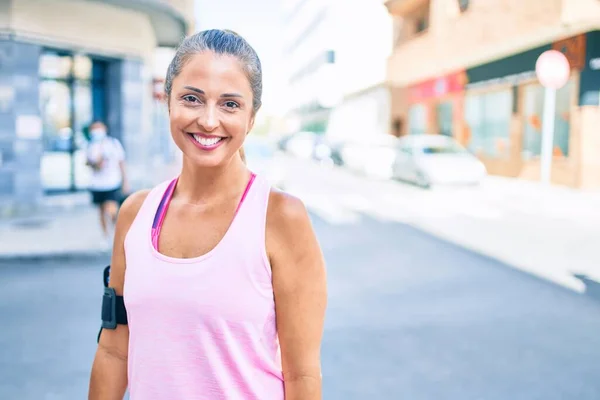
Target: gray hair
<point x="224" y="42"/>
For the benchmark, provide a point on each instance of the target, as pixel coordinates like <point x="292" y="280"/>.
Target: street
<point x="409" y="317"/>
<point x="446" y="152"/>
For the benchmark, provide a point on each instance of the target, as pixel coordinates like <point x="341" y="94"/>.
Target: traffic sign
<point x="553" y="69"/>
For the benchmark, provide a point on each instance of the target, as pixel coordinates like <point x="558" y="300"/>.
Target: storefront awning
<point x="168" y="21"/>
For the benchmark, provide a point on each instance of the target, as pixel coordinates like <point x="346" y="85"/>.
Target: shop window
<point x="54" y="65"/>
<point x="444" y="118"/>
<point x="82" y="67"/>
<point x="488" y="117"/>
<point x="417" y="123"/>
<point x="72" y="94"/>
<point x="532" y="120"/>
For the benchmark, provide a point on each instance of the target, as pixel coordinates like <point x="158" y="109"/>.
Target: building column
<point x="129" y="117"/>
<point x="21" y="146"/>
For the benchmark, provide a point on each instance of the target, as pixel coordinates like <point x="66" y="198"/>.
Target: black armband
<point x="113" y="309"/>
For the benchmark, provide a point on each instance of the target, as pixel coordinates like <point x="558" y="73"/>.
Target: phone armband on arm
<point x="113" y="309"/>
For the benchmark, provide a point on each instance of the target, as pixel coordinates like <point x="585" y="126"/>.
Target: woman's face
<point x="210" y="109"/>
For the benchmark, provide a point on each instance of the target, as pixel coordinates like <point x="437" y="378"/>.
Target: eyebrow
<point x="200" y="91"/>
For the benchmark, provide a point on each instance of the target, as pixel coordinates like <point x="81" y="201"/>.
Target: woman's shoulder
<point x="291" y="242"/>
<point x="133" y="203"/>
<point x="286" y="213"/>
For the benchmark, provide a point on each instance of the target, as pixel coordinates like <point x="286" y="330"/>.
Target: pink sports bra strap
<point x="163" y="206"/>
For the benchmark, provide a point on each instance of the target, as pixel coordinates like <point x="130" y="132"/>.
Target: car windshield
<point x="441" y="148"/>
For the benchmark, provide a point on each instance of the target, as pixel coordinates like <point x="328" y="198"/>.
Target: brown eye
<point x="232" y="104"/>
<point x="190" y="99"/>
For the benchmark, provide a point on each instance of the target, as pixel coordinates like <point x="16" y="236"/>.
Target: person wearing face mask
<point x="106" y="157"/>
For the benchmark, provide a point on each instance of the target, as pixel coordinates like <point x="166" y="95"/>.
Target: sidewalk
<point x="547" y="231"/>
<point x="66" y="226"/>
<point x="67" y="234"/>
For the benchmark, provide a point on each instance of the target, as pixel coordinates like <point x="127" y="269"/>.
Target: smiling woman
<point x="222" y="277"/>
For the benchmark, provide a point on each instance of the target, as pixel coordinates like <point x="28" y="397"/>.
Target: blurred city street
<point x="544" y="230"/>
<point x="447" y="151"/>
<point x="410" y="315"/>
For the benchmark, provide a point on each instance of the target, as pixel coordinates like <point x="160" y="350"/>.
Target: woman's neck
<point x="201" y="185"/>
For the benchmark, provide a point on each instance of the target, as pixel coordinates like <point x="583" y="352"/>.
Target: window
<point x="488" y="117"/>
<point x="445" y="148"/>
<point x="444" y="118"/>
<point x="55" y="66"/>
<point x="421" y="24"/>
<point x="532" y="120"/>
<point x="417" y="123"/>
<point x="72" y="94"/>
<point x="463" y="5"/>
<point x="407" y="150"/>
<point x="420" y="18"/>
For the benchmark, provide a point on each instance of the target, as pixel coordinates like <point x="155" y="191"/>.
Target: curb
<point x="54" y="256"/>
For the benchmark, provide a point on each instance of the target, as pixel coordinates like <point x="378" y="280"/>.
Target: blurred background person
<point x="108" y="183"/>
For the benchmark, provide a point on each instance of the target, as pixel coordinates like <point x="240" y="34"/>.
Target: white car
<point x="373" y="157"/>
<point x="302" y="144"/>
<point x="432" y="159"/>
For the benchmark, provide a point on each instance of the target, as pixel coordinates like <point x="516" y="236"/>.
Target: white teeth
<point x="207" y="141"/>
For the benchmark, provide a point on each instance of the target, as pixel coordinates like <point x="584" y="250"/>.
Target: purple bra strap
<point x="163" y="206"/>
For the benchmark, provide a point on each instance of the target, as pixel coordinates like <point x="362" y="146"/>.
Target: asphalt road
<point x="409" y="317"/>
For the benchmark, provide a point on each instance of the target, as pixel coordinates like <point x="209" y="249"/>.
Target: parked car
<point x="302" y="144"/>
<point x="283" y="141"/>
<point x="324" y="152"/>
<point x="436" y="159"/>
<point x="373" y="156"/>
<point x="263" y="158"/>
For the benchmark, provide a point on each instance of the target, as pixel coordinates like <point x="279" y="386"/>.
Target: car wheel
<point x="422" y="181"/>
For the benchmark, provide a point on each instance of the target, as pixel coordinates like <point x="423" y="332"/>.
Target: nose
<point x="208" y="118"/>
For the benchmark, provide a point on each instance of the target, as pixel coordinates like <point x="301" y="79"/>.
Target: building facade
<point x="337" y="80"/>
<point x="64" y="64"/>
<point x="364" y="97"/>
<point x="310" y="59"/>
<point x="466" y="68"/>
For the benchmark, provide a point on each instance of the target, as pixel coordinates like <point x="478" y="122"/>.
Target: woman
<point x="222" y="277"/>
<point x="106" y="157"/>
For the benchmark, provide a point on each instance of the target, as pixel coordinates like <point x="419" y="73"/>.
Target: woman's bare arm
<point x="299" y="285"/>
<point x="109" y="372"/>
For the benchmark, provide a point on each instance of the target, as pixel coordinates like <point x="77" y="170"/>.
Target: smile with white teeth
<point x="204" y="141"/>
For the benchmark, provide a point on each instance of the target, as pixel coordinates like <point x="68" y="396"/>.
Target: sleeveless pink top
<point x="204" y="327"/>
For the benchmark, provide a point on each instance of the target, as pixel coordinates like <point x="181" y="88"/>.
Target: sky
<point x="259" y="22"/>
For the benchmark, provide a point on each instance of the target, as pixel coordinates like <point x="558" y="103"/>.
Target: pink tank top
<point x="204" y="327"/>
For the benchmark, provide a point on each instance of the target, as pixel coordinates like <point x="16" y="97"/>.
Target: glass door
<point x="444" y="118"/>
<point x="72" y="94"/>
<point x="56" y="106"/>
